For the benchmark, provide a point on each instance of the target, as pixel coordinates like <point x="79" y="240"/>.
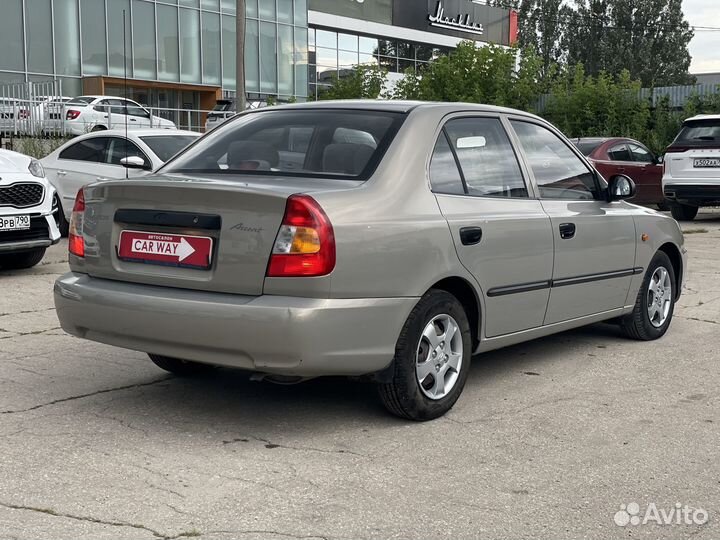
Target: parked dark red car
<point x="618" y="155"/>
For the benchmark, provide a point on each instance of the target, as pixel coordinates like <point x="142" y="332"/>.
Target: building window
<point x="11" y="30"/>
<point x="211" y="48"/>
<point x="190" y="46"/>
<point x="252" y="57"/>
<point x="144" y="56"/>
<point x="268" y="58"/>
<point x="94" y="49"/>
<point x="168" y="43"/>
<point x="39" y="36"/>
<point x="115" y="37"/>
<point x="67" y="42"/>
<point x="228" y="45"/>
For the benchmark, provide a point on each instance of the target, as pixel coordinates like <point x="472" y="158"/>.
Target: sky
<point x="705" y="46"/>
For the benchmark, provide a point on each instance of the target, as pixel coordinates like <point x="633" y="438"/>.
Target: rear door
<point x="594" y="239"/>
<point x="502" y="235"/>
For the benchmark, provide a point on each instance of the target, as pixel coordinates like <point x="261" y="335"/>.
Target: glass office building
<point x="181" y="53"/>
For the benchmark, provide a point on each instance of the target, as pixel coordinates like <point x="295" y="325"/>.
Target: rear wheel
<point x="99" y="128"/>
<point x="19" y="261"/>
<point x="182" y="368"/>
<point x="655" y="302"/>
<point x="683" y="212"/>
<point x="432" y="359"/>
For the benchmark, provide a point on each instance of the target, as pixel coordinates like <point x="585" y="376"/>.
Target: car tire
<point x="414" y="392"/>
<point x="655" y="302"/>
<point x="181" y="368"/>
<point x="684" y="212"/>
<point x="23" y="260"/>
<point x="60" y="220"/>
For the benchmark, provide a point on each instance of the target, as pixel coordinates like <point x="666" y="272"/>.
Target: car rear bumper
<point x="271" y="334"/>
<point x="695" y="194"/>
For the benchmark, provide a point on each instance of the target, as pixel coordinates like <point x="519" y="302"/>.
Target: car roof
<point x="703" y="117"/>
<point x="137" y="133"/>
<point x="394" y="106"/>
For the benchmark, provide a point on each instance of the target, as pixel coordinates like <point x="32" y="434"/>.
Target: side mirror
<point x="133" y="162"/>
<point x="659" y="160"/>
<point x="621" y="187"/>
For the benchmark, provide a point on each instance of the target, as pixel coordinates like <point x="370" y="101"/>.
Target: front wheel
<point x="655" y="303"/>
<point x="23" y="260"/>
<point x="683" y="212"/>
<point x="182" y="368"/>
<point x="432" y="359"/>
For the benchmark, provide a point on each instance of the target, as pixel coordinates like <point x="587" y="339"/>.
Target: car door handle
<point x="567" y="230"/>
<point x="61" y="173"/>
<point x="471" y="236"/>
<point x="100" y="178"/>
<point x="133" y="120"/>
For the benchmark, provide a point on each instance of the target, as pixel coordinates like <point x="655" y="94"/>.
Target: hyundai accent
<point x="389" y="240"/>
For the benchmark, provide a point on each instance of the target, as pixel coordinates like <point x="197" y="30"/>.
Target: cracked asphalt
<point x="547" y="441"/>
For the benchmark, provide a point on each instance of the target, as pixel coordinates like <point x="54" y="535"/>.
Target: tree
<point x="475" y="74"/>
<point x="649" y="38"/>
<point x="240" y="56"/>
<point x="361" y="82"/>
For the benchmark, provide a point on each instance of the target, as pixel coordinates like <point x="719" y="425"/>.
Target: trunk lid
<point x="240" y="216"/>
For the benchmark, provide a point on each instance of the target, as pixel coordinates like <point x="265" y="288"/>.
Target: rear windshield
<point x="698" y="131"/>
<point x="223" y="106"/>
<point x="328" y="143"/>
<point x="166" y="146"/>
<point x="82" y="100"/>
<point x="587" y="147"/>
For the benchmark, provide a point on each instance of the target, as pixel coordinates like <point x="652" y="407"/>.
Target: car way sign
<point x="165" y="249"/>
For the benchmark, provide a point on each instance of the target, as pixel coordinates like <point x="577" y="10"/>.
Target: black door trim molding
<point x="577" y="280"/>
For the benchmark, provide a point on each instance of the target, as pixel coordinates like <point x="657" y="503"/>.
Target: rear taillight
<point x="72" y="114"/>
<point x="76" y="244"/>
<point x="305" y="243"/>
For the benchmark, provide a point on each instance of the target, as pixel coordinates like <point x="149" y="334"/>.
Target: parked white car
<point x="224" y="109"/>
<point x="48" y="113"/>
<point x="13" y="115"/>
<point x="27" y="223"/>
<point x="109" y="155"/>
<point x="691" y="177"/>
<point x="95" y="113"/>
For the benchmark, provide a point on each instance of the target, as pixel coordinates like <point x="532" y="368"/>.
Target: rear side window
<point x="86" y="150"/>
<point x="487" y="161"/>
<point x="444" y="173"/>
<point x="166" y="146"/>
<point x="327" y="143"/>
<point x="82" y="100"/>
<point x="588" y="147"/>
<point x="559" y="173"/>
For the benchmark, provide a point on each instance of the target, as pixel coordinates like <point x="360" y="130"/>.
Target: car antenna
<point x="125" y="90"/>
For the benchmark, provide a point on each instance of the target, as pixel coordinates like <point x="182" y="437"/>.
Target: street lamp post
<point x="240" y="56"/>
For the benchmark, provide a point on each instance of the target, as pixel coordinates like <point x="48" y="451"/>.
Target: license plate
<point x="166" y="249"/>
<point x="707" y="162"/>
<point x="14" y="223"/>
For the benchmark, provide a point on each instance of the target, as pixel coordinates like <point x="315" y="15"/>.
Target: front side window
<point x="619" y="152"/>
<point x="121" y="148"/>
<point x="87" y="150"/>
<point x="488" y="164"/>
<point x="342" y="144"/>
<point x="558" y="171"/>
<point x="641" y="154"/>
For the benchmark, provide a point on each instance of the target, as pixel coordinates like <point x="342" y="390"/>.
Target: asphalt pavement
<point x="578" y="435"/>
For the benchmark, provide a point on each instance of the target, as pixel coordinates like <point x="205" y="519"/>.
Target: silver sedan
<point x="390" y="240"/>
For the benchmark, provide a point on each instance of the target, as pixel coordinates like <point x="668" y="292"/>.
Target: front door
<point x="502" y="235"/>
<point x="594" y="239"/>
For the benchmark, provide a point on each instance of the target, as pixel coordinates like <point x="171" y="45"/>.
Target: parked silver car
<point x="276" y="246"/>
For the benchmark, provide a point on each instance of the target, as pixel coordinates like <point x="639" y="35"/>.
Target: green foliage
<point x="477" y="75"/>
<point x="362" y="82"/>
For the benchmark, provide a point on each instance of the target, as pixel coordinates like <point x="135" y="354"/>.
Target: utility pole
<point x="240" y="56"/>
